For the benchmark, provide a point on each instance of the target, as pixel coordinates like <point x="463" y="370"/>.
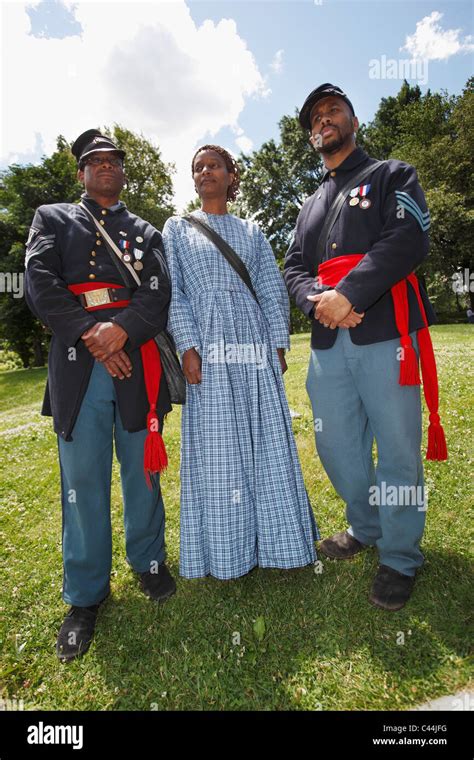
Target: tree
<point x="382" y="134"/>
<point x="54" y="180"/>
<point x="437" y="136"/>
<point x="193" y="205"/>
<point x="276" y="180"/>
<point x="434" y="132"/>
<point x="22" y="190"/>
<point x="149" y="189"/>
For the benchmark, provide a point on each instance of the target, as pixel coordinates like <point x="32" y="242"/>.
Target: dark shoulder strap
<point x="337" y="205"/>
<point x="114" y="255"/>
<point x="227" y="251"/>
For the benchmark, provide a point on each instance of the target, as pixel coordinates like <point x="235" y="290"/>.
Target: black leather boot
<point x="391" y="590"/>
<point x="76" y="633"/>
<point x="341" y="546"/>
<point x="158" y="586"/>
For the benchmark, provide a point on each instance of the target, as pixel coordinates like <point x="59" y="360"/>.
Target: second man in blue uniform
<point x="350" y="267"/>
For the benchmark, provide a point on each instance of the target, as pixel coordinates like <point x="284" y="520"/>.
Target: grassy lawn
<point x="323" y="647"/>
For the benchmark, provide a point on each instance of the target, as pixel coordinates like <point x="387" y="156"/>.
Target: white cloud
<point x="277" y="63"/>
<point x="433" y="43"/>
<point x="244" y="143"/>
<point x="145" y="65"/>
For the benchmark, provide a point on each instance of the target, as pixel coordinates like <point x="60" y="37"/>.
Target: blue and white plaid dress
<point x="243" y="499"/>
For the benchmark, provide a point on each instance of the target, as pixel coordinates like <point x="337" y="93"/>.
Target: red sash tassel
<point x="437" y="448"/>
<point x="409" y="374"/>
<point x="331" y="272"/>
<point x="155" y="457"/>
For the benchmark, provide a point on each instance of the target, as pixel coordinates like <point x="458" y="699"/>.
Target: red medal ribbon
<point x="155" y="457"/>
<point x="331" y="272"/>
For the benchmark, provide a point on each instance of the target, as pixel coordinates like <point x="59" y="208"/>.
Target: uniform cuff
<point x="350" y="294"/>
<point x="137" y="329"/>
<point x="308" y="308"/>
<point x="69" y="331"/>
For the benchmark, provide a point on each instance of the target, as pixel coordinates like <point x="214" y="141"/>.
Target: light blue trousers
<point x="356" y="397"/>
<point x="86" y="470"/>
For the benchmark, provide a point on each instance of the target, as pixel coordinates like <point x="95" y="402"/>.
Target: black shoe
<point x="341" y="546"/>
<point x="391" y="590"/>
<point x="158" y="586"/>
<point x="76" y="633"/>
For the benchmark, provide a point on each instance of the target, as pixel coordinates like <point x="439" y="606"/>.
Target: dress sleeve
<point x="272" y="294"/>
<point x="181" y="322"/>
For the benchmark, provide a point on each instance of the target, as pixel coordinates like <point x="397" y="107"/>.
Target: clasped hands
<point x="105" y="341"/>
<point x="332" y="310"/>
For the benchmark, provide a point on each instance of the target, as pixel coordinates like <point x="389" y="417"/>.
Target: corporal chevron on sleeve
<point x="406" y="201"/>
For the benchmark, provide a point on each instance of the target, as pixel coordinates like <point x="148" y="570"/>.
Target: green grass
<point x="324" y="645"/>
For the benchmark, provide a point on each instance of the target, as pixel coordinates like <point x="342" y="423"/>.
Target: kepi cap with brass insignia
<point x="93" y="141"/>
<point x="323" y="91"/>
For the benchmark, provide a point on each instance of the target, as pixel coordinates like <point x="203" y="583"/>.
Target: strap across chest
<point x="337" y="204"/>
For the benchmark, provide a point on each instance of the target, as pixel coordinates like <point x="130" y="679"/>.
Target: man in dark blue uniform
<point x="102" y="365"/>
<point x="370" y="317"/>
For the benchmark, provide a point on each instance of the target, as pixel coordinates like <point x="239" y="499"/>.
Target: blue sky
<point x="184" y="73"/>
<point x="334" y="42"/>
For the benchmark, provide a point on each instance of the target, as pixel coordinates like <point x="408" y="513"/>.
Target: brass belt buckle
<point x="97" y="297"/>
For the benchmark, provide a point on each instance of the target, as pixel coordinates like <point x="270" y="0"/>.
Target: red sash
<point x="155" y="457"/>
<point x="331" y="272"/>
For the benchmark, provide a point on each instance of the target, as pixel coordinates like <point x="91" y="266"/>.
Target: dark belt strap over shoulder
<point x="227" y="251"/>
<point x="337" y="205"/>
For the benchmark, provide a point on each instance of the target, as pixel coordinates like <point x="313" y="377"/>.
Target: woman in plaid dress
<point x="243" y="500"/>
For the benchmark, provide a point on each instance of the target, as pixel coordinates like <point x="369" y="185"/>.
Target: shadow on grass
<point x="322" y="639"/>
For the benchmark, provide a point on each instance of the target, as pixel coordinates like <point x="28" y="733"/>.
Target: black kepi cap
<point x="323" y="91"/>
<point x="93" y="141"/>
